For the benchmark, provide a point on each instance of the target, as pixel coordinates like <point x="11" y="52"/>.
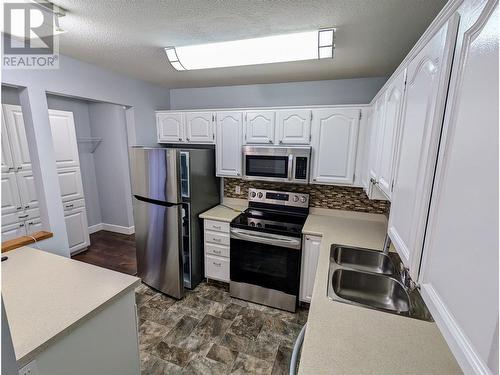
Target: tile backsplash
<point x="322" y="196"/>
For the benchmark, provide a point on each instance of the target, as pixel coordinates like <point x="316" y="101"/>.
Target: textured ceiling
<point x="372" y="38"/>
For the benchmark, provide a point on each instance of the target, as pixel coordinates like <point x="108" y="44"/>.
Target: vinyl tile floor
<point x="208" y="332"/>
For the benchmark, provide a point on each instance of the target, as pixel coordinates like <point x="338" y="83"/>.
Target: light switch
<point x="237" y="189"/>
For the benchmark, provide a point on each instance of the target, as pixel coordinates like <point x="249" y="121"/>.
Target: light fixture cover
<point x="309" y="45"/>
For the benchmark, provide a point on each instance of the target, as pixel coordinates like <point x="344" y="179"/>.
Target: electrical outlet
<point x="30" y="369"/>
<point x="237" y="189"/>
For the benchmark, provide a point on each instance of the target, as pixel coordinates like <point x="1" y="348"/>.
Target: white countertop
<point x="46" y="294"/>
<point x="346" y="339"/>
<point x="226" y="212"/>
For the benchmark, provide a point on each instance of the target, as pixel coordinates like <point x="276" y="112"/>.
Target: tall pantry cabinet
<point x="62" y="126"/>
<point x="20" y="212"/>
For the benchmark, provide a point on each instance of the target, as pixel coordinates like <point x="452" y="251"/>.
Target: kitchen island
<point x="346" y="339"/>
<point x="70" y="317"/>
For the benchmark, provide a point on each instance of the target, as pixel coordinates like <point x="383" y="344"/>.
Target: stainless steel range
<point x="266" y="248"/>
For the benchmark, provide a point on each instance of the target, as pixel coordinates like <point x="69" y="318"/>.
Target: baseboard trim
<point x="111" y="228"/>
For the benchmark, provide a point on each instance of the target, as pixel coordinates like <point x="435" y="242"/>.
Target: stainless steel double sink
<point x="372" y="279"/>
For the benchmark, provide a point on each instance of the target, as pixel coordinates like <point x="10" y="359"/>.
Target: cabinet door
<point x="387" y="149"/>
<point x="259" y="127"/>
<point x="27" y="189"/>
<point x="229" y="143"/>
<point x="33" y="225"/>
<point x="200" y="127"/>
<point x="170" y="127"/>
<point x="62" y="126"/>
<point x="7" y="159"/>
<point x="17" y="136"/>
<point x="334" y="141"/>
<point x="377" y="132"/>
<point x="424" y="100"/>
<point x="310" y="255"/>
<point x="70" y="182"/>
<point x="11" y="201"/>
<point x="77" y="229"/>
<point x="16" y="230"/>
<point x="294" y="126"/>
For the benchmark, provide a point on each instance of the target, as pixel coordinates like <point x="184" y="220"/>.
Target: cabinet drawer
<point x="218" y="226"/>
<point x="217" y="237"/>
<point x="217" y="268"/>
<point x="212" y="249"/>
<point x="73" y="204"/>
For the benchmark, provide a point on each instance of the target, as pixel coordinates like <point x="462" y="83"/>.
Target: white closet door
<point x="17" y="136"/>
<point x="427" y="81"/>
<point x="70" y="182"/>
<point x="229" y="143"/>
<point x="27" y="189"/>
<point x="334" y="140"/>
<point x="77" y="229"/>
<point x="7" y="158"/>
<point x="259" y="127"/>
<point x="200" y="127"/>
<point x="294" y="126"/>
<point x="11" y="201"/>
<point x="62" y="126"/>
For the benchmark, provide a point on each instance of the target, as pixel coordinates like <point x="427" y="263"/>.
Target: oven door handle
<point x="292" y="243"/>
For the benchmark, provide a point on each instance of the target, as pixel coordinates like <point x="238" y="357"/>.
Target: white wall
<point x="341" y="91"/>
<point x="82" y="80"/>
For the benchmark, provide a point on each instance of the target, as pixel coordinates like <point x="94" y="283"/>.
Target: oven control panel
<point x="278" y="197"/>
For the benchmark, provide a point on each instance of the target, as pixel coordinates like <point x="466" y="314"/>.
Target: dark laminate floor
<point x="209" y="332"/>
<point x="111" y="250"/>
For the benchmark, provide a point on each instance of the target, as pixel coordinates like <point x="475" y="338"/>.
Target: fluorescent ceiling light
<point x="310" y="45"/>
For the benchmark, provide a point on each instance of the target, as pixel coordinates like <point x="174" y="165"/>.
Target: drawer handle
<point x="217" y="264"/>
<point x="216" y="227"/>
<point x="19" y="208"/>
<point x="23" y="216"/>
<point x="69" y="205"/>
<point x="217" y="239"/>
<point x="217" y="251"/>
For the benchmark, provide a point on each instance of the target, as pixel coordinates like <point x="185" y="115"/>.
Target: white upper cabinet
<point x="62" y="126"/>
<point x="17" y="136"/>
<point x="334" y="142"/>
<point x="229" y="143"/>
<point x="294" y="126"/>
<point x="259" y="127"/>
<point x="200" y="127"/>
<point x="11" y="201"/>
<point x="387" y="147"/>
<point x="170" y="127"/>
<point x="423" y="107"/>
<point x="377" y="132"/>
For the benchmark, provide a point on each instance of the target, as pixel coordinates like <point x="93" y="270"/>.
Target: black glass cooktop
<point x="278" y="222"/>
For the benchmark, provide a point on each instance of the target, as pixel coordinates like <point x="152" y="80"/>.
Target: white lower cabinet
<point x="310" y="254"/>
<point x="11" y="231"/>
<point x="77" y="229"/>
<point x="217" y="250"/>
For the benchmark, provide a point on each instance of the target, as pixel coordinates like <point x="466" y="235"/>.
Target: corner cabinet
<point x="170" y="127"/>
<point x="334" y="143"/>
<point x="229" y="133"/>
<point x="310" y="255"/>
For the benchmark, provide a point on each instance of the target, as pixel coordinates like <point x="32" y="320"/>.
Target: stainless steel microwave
<point x="280" y="164"/>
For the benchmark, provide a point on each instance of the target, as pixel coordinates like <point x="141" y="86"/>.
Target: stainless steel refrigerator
<point x="171" y="187"/>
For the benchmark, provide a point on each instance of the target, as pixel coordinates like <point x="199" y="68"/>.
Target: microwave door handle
<point x="290" y="167"/>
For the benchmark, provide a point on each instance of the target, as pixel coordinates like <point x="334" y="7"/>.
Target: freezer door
<point x="158" y="233"/>
<point x="155" y="173"/>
